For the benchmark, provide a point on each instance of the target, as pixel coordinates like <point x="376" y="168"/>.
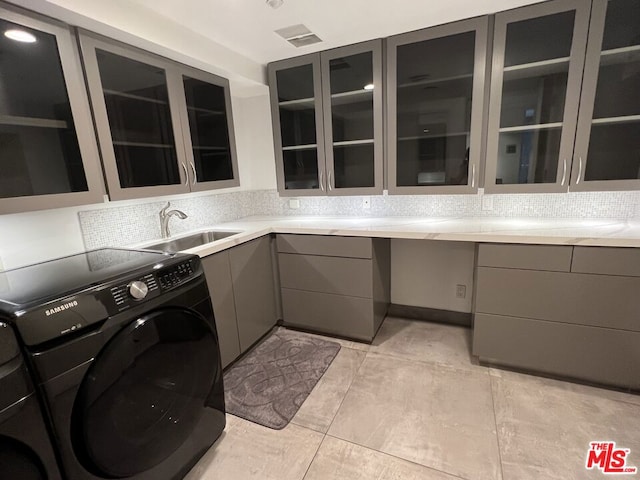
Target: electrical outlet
<point x="294" y="203"/>
<point x="366" y="203"/>
<point x="461" y="291"/>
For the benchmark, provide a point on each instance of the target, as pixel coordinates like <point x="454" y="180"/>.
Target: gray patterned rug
<point x="269" y="385"/>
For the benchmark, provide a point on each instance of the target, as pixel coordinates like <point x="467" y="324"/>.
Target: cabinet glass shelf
<point x="620" y="55"/>
<point x="522" y="128"/>
<point x="537" y="69"/>
<point x="347" y="98"/>
<point x="32" y="122"/>
<point x="611" y="120"/>
<point x="142" y="144"/>
<point x="353" y="142"/>
<point x="132" y="96"/>
<point x="434" y="81"/>
<point x="205" y="110"/>
<point x="300" y="104"/>
<point x="300" y="147"/>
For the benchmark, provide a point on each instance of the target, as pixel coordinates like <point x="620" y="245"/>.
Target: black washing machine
<point x="124" y="349"/>
<point x="25" y="449"/>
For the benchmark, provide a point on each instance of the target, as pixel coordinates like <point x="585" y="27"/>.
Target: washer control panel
<point x="151" y="285"/>
<point x="175" y="275"/>
<point x="126" y="294"/>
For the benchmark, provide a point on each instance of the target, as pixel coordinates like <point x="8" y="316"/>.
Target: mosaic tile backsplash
<point x="127" y="225"/>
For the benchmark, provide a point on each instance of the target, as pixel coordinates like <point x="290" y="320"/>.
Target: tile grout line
<point x="445" y="366"/>
<point x="531" y="376"/>
<point x="453" y="475"/>
<point x="345" y="394"/>
<point x="314" y="456"/>
<point x="366" y="354"/>
<point x="495" y="421"/>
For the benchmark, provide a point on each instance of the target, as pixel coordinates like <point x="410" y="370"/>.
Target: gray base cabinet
<point x="218" y="273"/>
<point x="336" y="285"/>
<point x="253" y="291"/>
<point x="601" y="355"/>
<point x="560" y="310"/>
<point x="241" y="285"/>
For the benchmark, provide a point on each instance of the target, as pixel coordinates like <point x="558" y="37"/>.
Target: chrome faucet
<point x="164" y="219"/>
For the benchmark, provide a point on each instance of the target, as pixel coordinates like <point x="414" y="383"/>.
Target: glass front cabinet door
<point x="327" y="118"/>
<point x="48" y="153"/>
<point x="435" y="93"/>
<point x="205" y="106"/>
<point x="538" y="57"/>
<point x="608" y="136"/>
<point x="162" y="128"/>
<point x="296" y="111"/>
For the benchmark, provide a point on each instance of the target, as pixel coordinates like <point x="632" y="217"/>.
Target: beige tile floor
<point x="416" y="405"/>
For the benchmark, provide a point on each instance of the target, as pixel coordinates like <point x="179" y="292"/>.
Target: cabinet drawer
<point x="594" y="354"/>
<point x="604" y="260"/>
<point x="323" y="312"/>
<point x="597" y="300"/>
<point x="329" y="245"/>
<point x="555" y="258"/>
<point x="341" y="276"/>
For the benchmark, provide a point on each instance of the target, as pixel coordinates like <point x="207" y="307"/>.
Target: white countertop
<point x="600" y="232"/>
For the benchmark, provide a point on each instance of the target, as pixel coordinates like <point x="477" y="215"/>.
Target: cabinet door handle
<point x="186" y="174"/>
<point x="329" y="180"/>
<point x="193" y="169"/>
<point x="322" y="180"/>
<point x="579" y="170"/>
<point x="564" y="171"/>
<point x="473" y="175"/>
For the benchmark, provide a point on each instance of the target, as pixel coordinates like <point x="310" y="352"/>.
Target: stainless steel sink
<point x="191" y="241"/>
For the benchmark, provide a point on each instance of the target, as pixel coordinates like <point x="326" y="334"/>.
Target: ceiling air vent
<point x="298" y="35"/>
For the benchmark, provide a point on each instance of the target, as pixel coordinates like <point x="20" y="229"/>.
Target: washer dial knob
<point x="138" y="289"/>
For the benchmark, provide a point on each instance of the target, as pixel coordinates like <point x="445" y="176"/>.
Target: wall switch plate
<point x="487" y="203"/>
<point x="294" y="203"/>
<point x="461" y="291"/>
<point x="1" y="265"/>
<point x="366" y="203"/>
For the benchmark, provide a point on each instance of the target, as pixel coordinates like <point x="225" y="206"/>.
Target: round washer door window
<point x="19" y="461"/>
<point x="144" y="393"/>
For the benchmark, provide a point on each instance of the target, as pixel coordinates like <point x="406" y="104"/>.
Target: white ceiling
<point x="247" y="26"/>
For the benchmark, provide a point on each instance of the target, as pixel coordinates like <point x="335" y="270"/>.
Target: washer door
<point x="19" y="461"/>
<point x="144" y="393"/>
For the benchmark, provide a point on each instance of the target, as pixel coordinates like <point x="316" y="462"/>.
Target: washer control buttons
<point x="175" y="276"/>
<point x="138" y="289"/>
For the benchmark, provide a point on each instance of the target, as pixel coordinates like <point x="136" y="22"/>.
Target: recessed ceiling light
<point x="20" y="36"/>
<point x="275" y="3"/>
<point x="369" y="86"/>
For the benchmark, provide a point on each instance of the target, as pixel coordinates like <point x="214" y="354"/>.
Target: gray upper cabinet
<point x="205" y="108"/>
<point x="48" y="153"/>
<point x="162" y="128"/>
<point x="327" y="118"/>
<point x="538" y="58"/>
<point x="352" y="96"/>
<point x="435" y="95"/>
<point x="608" y="136"/>
<point x="296" y="110"/>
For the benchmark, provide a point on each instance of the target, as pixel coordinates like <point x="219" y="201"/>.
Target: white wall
<point x="425" y="273"/>
<point x="254" y="142"/>
<point x="37" y="236"/>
